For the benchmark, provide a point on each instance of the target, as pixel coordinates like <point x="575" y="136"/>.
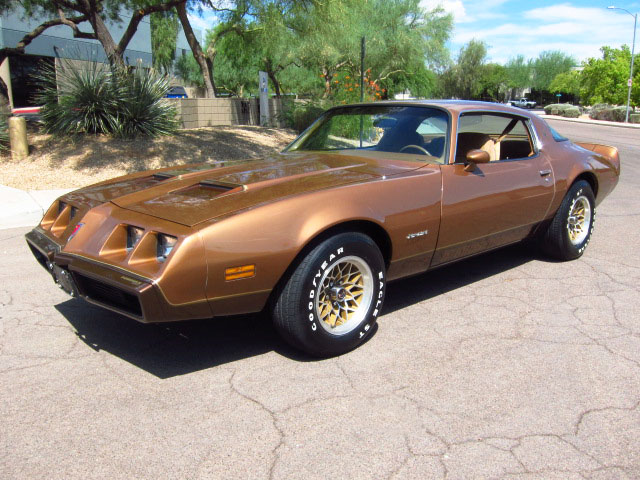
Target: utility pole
<point x="362" y="53"/>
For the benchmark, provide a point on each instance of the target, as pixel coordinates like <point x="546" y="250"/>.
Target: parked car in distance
<point x="369" y="193"/>
<point x="523" y="103"/>
<point x="176" y="92"/>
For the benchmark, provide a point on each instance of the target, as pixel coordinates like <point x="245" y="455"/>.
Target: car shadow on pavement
<point x="409" y="291"/>
<point x="179" y="348"/>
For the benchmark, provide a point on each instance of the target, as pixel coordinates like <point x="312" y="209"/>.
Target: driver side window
<point x="502" y="136"/>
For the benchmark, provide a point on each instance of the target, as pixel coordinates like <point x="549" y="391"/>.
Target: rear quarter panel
<point x="570" y="160"/>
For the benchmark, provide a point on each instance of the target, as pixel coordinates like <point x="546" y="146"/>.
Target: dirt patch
<point x="75" y="162"/>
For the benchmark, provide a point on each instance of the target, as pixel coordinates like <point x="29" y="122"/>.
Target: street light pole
<point x="633" y="48"/>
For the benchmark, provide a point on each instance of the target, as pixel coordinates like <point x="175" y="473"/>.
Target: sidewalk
<point x="25" y="209"/>
<point x="588" y="120"/>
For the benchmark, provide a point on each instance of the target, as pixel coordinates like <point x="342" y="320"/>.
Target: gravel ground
<point x="68" y="163"/>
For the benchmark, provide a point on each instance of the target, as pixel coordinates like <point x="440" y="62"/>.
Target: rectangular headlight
<point x="165" y="246"/>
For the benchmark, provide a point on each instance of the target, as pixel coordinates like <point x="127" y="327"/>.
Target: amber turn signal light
<point x="234" y="273"/>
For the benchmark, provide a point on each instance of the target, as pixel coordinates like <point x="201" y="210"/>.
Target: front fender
<point x="272" y="235"/>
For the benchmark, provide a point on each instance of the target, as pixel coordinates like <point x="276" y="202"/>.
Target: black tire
<point x="305" y="297"/>
<point x="561" y="240"/>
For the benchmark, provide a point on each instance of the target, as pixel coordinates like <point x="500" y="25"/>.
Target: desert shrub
<point x="551" y="109"/>
<point x="563" y="109"/>
<point x="92" y="98"/>
<point x="571" y="112"/>
<point x="142" y="109"/>
<point x="299" y="115"/>
<point x="77" y="100"/>
<point x="611" y="114"/>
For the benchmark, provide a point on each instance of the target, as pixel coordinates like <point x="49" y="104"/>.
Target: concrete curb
<point x="592" y="122"/>
<point x="25" y="208"/>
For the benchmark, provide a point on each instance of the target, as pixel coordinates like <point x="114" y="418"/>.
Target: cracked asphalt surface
<point x="507" y="366"/>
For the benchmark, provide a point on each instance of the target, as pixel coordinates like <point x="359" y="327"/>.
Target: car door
<point x="495" y="203"/>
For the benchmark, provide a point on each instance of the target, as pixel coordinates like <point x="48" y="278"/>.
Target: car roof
<point x="451" y="105"/>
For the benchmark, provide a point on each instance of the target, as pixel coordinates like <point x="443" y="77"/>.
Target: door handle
<point x="544" y="173"/>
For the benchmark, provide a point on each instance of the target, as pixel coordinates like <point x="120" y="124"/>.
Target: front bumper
<point x="108" y="286"/>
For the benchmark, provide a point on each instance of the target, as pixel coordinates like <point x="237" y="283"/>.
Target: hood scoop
<point x="208" y="189"/>
<point x="160" y="176"/>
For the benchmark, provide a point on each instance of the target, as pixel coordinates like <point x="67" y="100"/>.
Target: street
<point x="507" y="365"/>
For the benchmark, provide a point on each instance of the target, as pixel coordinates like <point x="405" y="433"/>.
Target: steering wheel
<point x="417" y="147"/>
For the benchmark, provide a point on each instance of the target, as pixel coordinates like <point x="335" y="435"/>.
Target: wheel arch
<point x="590" y="178"/>
<point x="367" y="227"/>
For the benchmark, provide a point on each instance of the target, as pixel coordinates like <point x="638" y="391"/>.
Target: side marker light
<point x="235" y="273"/>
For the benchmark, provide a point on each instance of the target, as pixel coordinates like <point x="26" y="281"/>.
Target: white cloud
<point x="450" y="6"/>
<point x="577" y="31"/>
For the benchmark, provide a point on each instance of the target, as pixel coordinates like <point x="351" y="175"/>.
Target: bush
<point x="95" y="99"/>
<point x="610" y="114"/>
<point x="571" y="112"/>
<point x="300" y="115"/>
<point x="634" y="118"/>
<point x="143" y="110"/>
<point x="562" y="109"/>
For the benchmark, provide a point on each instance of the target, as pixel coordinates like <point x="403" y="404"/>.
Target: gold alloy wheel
<point x="579" y="220"/>
<point x="344" y="295"/>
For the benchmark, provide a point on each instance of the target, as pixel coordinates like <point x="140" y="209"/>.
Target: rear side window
<point x="556" y="136"/>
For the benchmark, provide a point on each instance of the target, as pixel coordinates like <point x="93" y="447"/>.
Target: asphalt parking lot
<point x="504" y="366"/>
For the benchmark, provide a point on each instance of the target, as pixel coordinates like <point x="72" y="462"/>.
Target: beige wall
<point x="211" y="112"/>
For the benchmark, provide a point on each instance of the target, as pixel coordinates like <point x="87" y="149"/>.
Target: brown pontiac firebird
<point x="369" y="193"/>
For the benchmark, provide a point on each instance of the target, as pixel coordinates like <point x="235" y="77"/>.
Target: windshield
<point x="418" y="132"/>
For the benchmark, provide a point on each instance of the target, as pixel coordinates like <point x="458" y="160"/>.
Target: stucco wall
<point x="209" y="112"/>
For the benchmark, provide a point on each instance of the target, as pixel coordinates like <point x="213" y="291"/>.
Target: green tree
<point x="236" y="63"/>
<point x="567" y="82"/>
<point x="547" y="66"/>
<point x="604" y="80"/>
<point x="518" y="73"/>
<point x="188" y="69"/>
<point x="304" y="45"/>
<point x="164" y="35"/>
<point x="402" y="41"/>
<point x="463" y="79"/>
<point x="493" y="82"/>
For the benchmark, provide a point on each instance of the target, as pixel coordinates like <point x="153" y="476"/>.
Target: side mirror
<point x="476" y="156"/>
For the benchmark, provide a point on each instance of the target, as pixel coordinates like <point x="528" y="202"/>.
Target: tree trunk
<point x="272" y="76"/>
<point x="210" y="61"/>
<point x="196" y="49"/>
<point x="5" y="104"/>
<point x="327" y="82"/>
<point x="104" y="37"/>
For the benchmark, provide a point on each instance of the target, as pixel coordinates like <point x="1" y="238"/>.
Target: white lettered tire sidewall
<point x="580" y="189"/>
<point x="304" y="330"/>
<point x="557" y="241"/>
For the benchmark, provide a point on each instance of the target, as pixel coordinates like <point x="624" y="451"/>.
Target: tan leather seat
<point x="471" y="141"/>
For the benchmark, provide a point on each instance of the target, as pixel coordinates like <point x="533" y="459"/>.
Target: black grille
<point x="109" y="295"/>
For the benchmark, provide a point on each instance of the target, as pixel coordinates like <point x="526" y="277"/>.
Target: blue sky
<point x="511" y="27"/>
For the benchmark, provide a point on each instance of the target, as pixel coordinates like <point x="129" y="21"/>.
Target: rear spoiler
<point x="607" y="151"/>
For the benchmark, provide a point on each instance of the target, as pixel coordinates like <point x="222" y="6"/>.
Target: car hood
<point x="192" y="194"/>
